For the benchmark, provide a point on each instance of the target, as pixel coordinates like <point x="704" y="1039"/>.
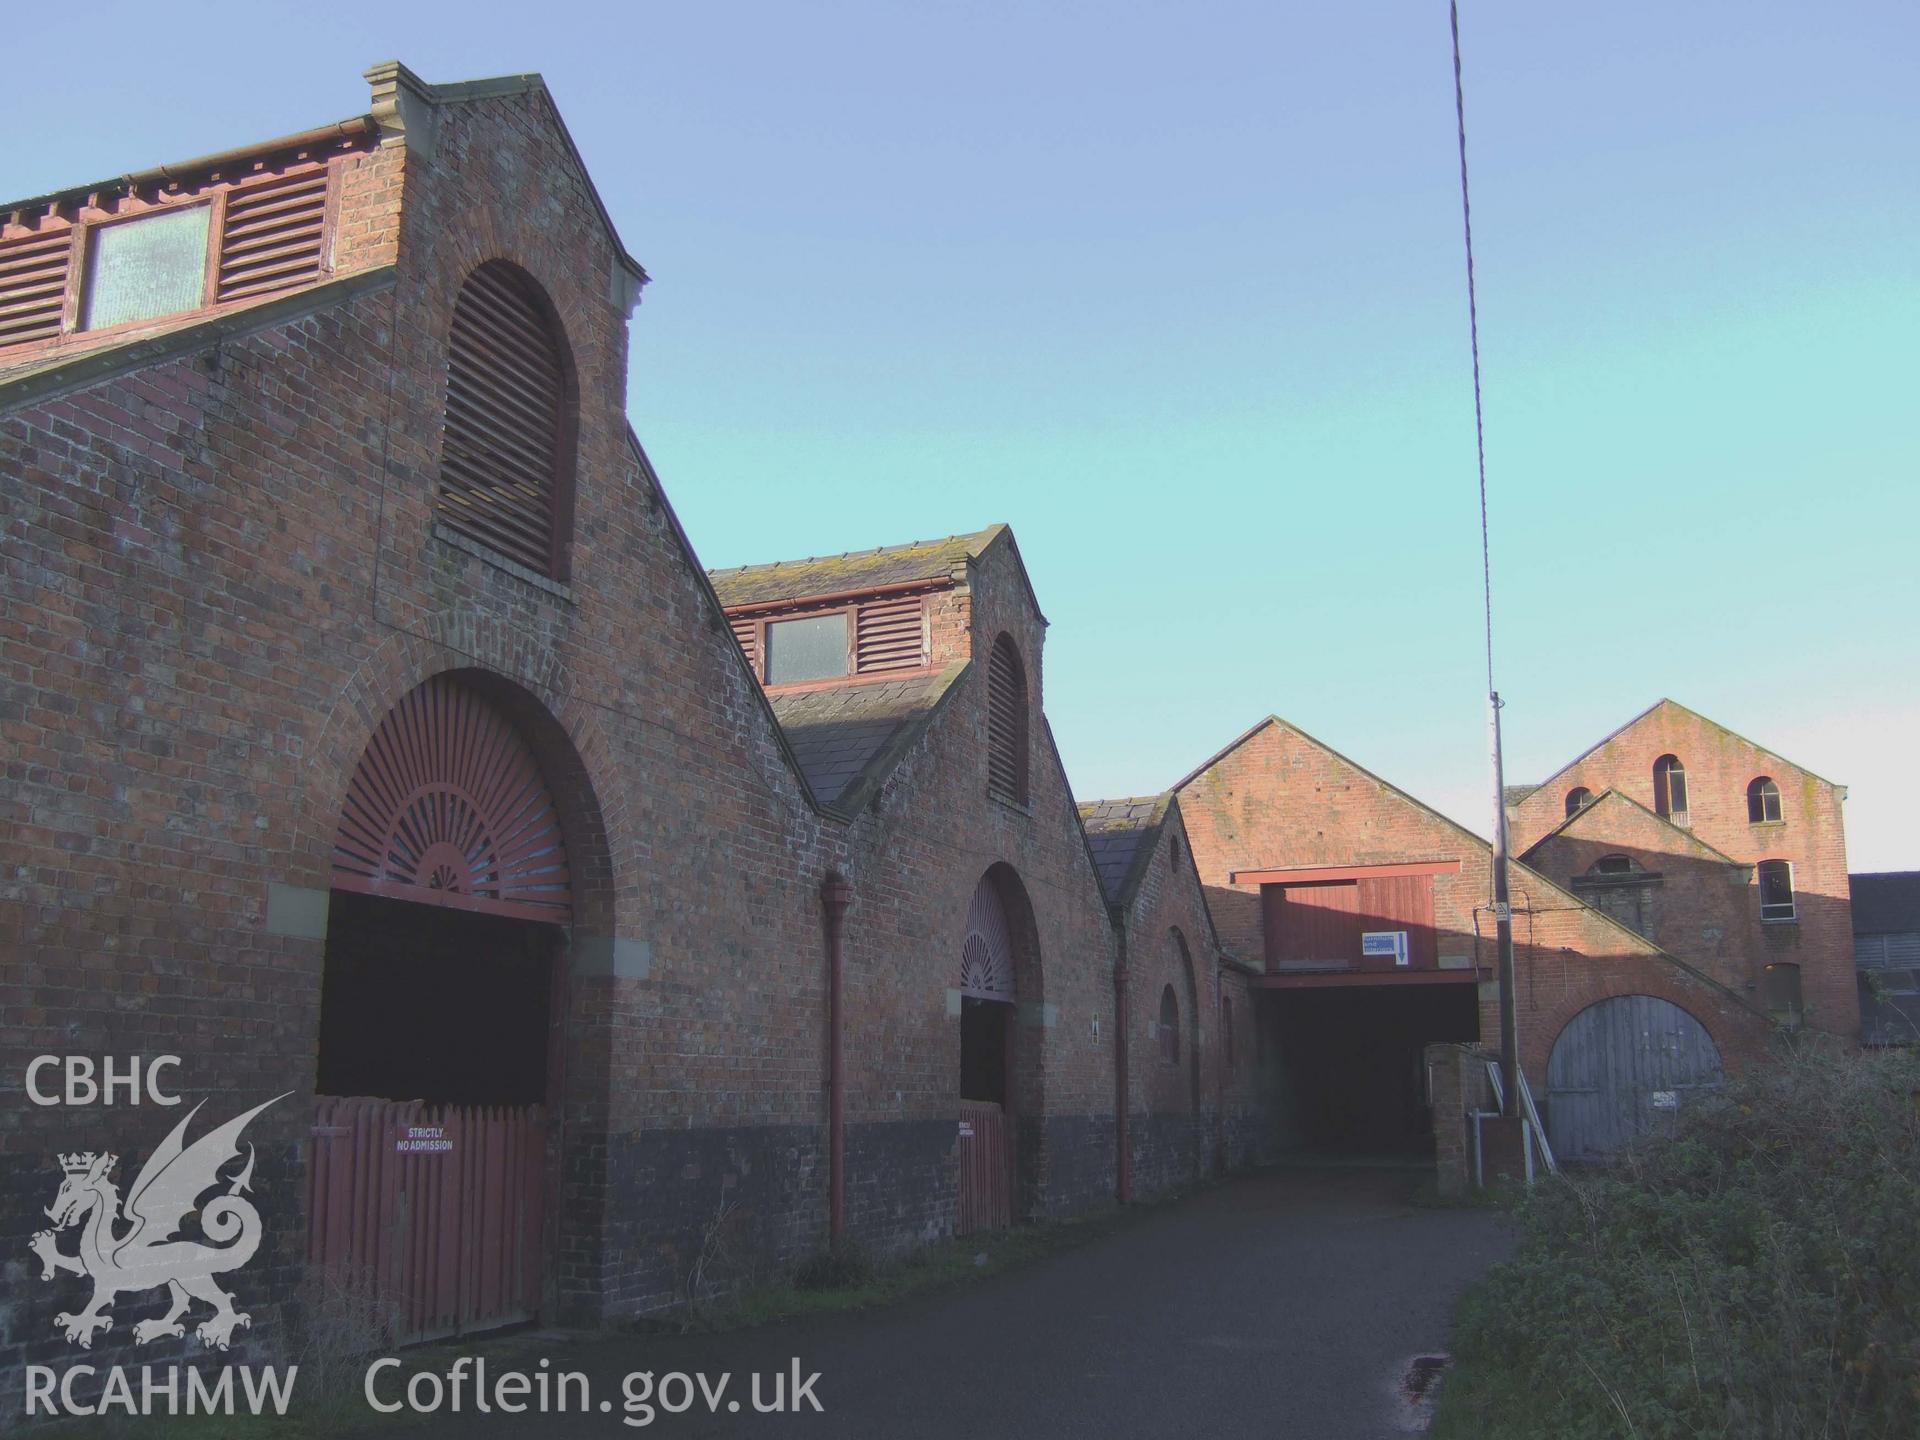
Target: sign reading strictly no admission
<point x="421" y="1140"/>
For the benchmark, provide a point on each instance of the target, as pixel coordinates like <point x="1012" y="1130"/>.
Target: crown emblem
<point x="81" y="1161"/>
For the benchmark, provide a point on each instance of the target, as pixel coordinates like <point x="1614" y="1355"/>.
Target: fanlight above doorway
<point x="986" y="955"/>
<point x="448" y="807"/>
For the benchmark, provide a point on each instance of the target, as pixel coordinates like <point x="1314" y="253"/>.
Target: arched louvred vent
<point x="272" y="234"/>
<point x="505" y="463"/>
<point x="448" y="807"/>
<point x="986" y="955"/>
<point x="1006" y="723"/>
<point x="892" y="635"/>
<point x="33" y="284"/>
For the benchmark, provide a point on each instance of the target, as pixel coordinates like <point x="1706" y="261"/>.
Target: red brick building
<point x="1194" y="1092"/>
<point x="1727" y="854"/>
<point x="1368" y="915"/>
<point x="374" y="740"/>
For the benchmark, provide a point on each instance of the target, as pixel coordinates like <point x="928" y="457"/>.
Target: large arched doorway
<point x="1618" y="1067"/>
<point x="999" y="1077"/>
<point x="442" y="989"/>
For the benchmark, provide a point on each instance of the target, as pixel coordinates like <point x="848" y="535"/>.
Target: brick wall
<point x="916" y="856"/>
<point x="222" y="571"/>
<point x="1278" y="798"/>
<point x="1687" y="898"/>
<point x="1811" y="834"/>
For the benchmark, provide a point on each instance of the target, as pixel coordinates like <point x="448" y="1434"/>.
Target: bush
<point x="1752" y="1272"/>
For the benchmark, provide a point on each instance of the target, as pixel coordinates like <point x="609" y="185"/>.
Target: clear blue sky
<point x="1177" y="291"/>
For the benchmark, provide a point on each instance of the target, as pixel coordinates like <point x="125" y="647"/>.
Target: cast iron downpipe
<point x="1121" y="1143"/>
<point x="835" y="896"/>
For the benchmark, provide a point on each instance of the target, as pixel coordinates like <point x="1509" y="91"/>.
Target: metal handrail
<point x="1527" y="1105"/>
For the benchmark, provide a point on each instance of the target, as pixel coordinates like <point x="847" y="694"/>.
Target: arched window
<point x="1612" y="865"/>
<point x="1006" y="723"/>
<point x="1776" y="890"/>
<point x="506" y="459"/>
<point x="1169" y="1026"/>
<point x="1577" y="799"/>
<point x="1670" y="789"/>
<point x="1763" y="801"/>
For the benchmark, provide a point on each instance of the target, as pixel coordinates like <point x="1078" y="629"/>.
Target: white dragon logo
<point x="146" y="1255"/>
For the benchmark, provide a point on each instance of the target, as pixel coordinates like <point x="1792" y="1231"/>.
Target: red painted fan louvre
<point x="271" y="237"/>
<point x="747" y="632"/>
<point x="891" y="636"/>
<point x="986" y="955"/>
<point x="1006" y="724"/>
<point x="505" y="385"/>
<point x="33" y="285"/>
<point x="448" y="807"/>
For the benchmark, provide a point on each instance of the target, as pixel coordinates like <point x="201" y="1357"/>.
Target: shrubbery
<point x="1754" y="1272"/>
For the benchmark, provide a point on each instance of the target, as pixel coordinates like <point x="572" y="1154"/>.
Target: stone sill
<point x="467" y="545"/>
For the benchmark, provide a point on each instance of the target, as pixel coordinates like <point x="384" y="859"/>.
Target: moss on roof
<point x="929" y="560"/>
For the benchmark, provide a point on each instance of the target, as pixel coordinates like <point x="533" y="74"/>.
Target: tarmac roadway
<point x="1283" y="1305"/>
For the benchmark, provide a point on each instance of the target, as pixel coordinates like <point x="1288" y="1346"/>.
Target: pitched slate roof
<point x="845" y="738"/>
<point x="929" y="560"/>
<point x="1514" y="794"/>
<point x="1121" y="835"/>
<point x="1887" y="903"/>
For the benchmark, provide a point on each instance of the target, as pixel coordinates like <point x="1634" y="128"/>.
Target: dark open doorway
<point x="983" y="1049"/>
<point x="1353" y="1062"/>
<point x="421" y="1002"/>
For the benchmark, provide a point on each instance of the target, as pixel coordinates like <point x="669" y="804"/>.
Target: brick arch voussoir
<point x="1733" y="1030"/>
<point x="598" y="829"/>
<point x="1023" y="926"/>
<point x="473" y="244"/>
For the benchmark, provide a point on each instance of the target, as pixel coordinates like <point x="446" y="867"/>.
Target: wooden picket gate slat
<point x="986" y="1168"/>
<point x="444" y="1241"/>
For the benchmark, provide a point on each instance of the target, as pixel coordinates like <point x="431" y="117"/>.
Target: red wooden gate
<point x="433" y="1213"/>
<point x="986" y="1168"/>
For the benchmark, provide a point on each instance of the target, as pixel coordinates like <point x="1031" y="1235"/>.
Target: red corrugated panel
<point x="1400" y="902"/>
<point x="1319" y="924"/>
